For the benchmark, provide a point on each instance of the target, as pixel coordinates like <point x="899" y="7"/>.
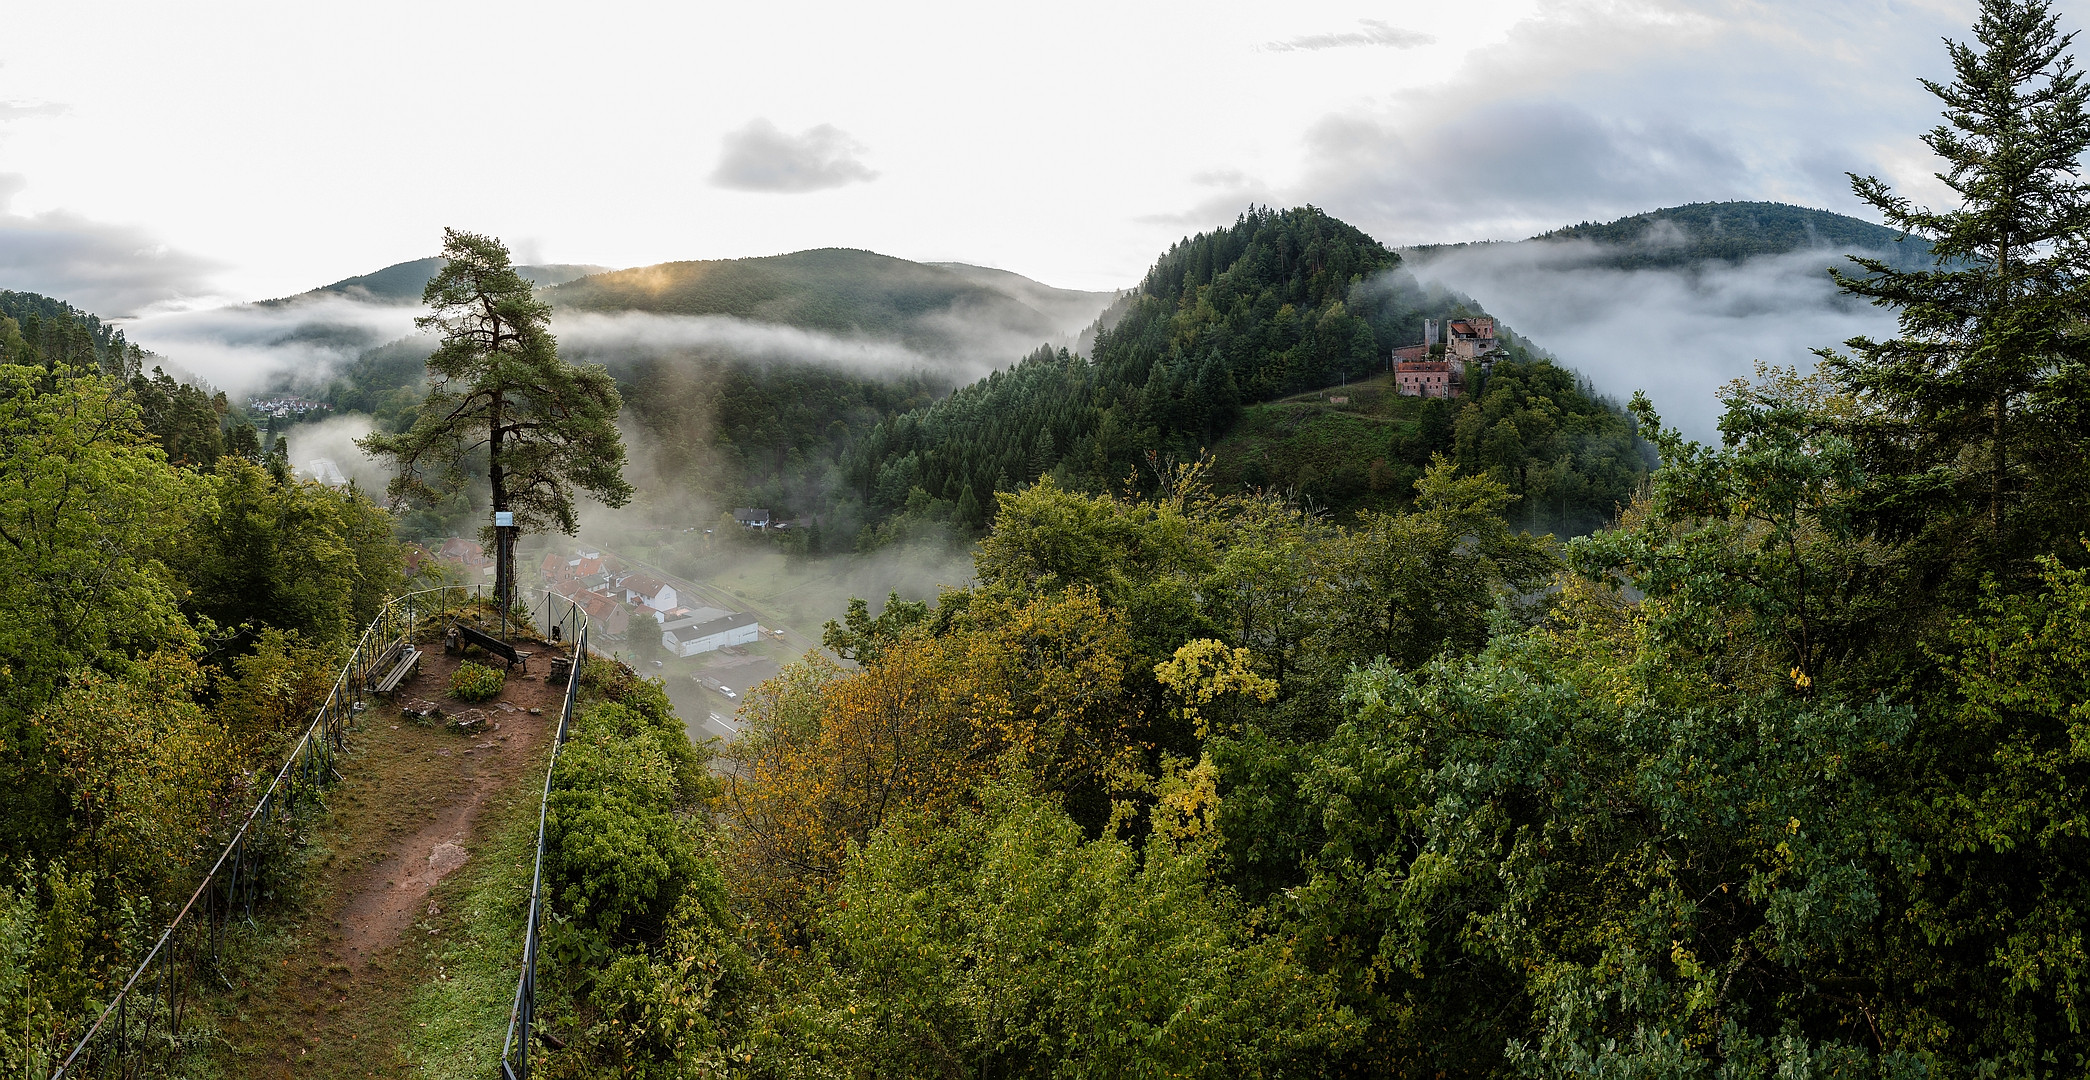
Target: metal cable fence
<point x="141" y="1030"/>
<point x="515" y="1049"/>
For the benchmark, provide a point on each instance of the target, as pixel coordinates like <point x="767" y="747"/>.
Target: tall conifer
<point x="497" y="382"/>
<point x="1972" y="420"/>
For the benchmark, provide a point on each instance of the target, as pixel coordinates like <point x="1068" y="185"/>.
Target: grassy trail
<point x="339" y="983"/>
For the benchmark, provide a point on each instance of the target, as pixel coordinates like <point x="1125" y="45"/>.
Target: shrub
<point x="477" y="682"/>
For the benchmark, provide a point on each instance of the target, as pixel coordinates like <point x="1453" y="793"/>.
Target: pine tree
<point x="549" y="428"/>
<point x="1974" y="416"/>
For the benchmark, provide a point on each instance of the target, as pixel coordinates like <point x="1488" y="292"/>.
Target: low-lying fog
<point x="1679" y="334"/>
<point x="301" y="343"/>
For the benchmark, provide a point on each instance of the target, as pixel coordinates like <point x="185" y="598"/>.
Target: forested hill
<point x="756" y="413"/>
<point x="1278" y="302"/>
<point x="62" y="333"/>
<point x="402" y="283"/>
<point x="1725" y="232"/>
<point x="187" y="420"/>
<point x="841" y="291"/>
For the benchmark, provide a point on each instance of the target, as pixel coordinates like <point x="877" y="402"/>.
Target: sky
<point x="157" y="156"/>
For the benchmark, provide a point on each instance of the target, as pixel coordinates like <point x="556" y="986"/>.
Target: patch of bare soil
<point x="385" y="900"/>
<point x="407" y="814"/>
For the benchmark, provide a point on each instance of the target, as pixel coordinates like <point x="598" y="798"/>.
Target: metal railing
<point x="142" y="1024"/>
<point x="515" y="1049"/>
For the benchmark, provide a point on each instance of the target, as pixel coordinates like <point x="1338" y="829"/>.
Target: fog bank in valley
<point x="1678" y="334"/>
<point x="294" y="344"/>
<point x="335" y="440"/>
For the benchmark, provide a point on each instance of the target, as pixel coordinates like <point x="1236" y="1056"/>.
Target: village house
<point x="464" y="554"/>
<point x="557" y="567"/>
<point x="751" y="517"/>
<point x="650" y="591"/>
<point x="706" y="629"/>
<point x="605" y="614"/>
<point x="326" y="471"/>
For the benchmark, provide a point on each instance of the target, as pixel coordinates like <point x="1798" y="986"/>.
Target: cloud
<point x="110" y="270"/>
<point x="29" y="110"/>
<point x="335" y="440"/>
<point x="1595" y="110"/>
<point x="762" y="157"/>
<point x="1375" y="34"/>
<point x="249" y="347"/>
<point x="636" y="333"/>
<point x="1679" y="334"/>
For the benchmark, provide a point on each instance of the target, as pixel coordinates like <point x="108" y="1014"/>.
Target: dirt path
<point x="322" y="998"/>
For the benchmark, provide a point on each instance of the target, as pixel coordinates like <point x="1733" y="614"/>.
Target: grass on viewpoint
<point x="449" y="997"/>
<point x="458" y="1015"/>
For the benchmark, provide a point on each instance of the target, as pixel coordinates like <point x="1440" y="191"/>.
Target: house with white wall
<point x="650" y="591"/>
<point x="707" y="629"/>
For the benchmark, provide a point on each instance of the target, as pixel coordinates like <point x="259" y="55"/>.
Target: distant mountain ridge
<point x="1717" y="232"/>
<point x="944" y="307"/>
<point x="402" y="283"/>
<point x="842" y="291"/>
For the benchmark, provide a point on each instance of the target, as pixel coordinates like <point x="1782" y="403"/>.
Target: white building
<point x="650" y="591"/>
<point x="325" y="471"/>
<point x="699" y="634"/>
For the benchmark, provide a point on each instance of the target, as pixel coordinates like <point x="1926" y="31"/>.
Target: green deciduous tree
<point x="299" y="556"/>
<point x="1001" y="943"/>
<point x="90" y="512"/>
<point x="1414" y="585"/>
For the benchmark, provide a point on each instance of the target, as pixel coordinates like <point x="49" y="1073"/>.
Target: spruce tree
<point x="1971" y="421"/>
<point x="497" y="382"/>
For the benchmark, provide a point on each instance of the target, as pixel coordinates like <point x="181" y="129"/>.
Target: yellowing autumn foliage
<point x="1204" y="671"/>
<point x="828" y="754"/>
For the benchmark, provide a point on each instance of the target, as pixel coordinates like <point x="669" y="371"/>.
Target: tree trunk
<point x="503" y="570"/>
<point x="1996" y="483"/>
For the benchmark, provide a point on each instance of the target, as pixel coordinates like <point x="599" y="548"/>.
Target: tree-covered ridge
<point x="1734" y="231"/>
<point x="1238" y="314"/>
<point x="402" y="283"/>
<point x="1259" y="304"/>
<point x="837" y="290"/>
<point x="1573" y="458"/>
<point x="736" y="429"/>
<point x="39" y="329"/>
<point x="1278" y="302"/>
<point x="1701" y="234"/>
<point x="189" y="421"/>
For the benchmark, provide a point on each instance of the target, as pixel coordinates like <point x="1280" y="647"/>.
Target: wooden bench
<point x="393" y="667"/>
<point x="409" y="659"/>
<point x="464" y="636"/>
